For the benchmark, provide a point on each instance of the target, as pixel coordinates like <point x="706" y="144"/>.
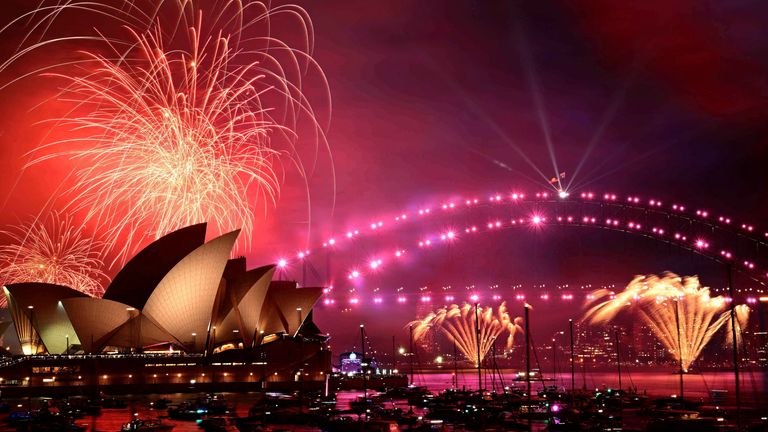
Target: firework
<point x="181" y="114"/>
<point x="458" y="324"/>
<point x="54" y="252"/>
<point x="667" y="303"/>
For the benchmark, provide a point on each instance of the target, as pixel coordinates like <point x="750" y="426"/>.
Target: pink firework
<point x="181" y="114"/>
<point x="54" y="252"/>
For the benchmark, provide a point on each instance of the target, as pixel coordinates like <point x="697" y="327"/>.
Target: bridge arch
<point x="738" y="244"/>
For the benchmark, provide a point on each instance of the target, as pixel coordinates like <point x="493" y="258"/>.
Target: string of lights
<point x="675" y="224"/>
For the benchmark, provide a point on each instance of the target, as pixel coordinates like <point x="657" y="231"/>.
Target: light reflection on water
<point x="753" y="384"/>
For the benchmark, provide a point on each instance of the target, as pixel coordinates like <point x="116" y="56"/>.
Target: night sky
<point x="434" y="99"/>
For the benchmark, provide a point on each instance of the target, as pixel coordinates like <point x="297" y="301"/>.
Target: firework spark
<point x="180" y="114"/>
<point x="457" y="323"/>
<point x="55" y="252"/>
<point x="663" y="303"/>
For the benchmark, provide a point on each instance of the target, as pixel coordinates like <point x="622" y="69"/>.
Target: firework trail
<point x="662" y="303"/>
<point x="55" y="252"/>
<point x="183" y="111"/>
<point x="457" y="323"/>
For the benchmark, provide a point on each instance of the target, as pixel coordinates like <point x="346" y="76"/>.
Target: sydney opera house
<point x="181" y="312"/>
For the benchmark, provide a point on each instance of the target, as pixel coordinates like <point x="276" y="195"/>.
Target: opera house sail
<point x="178" y="295"/>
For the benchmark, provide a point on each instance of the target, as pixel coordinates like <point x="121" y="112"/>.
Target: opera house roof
<point x="179" y="290"/>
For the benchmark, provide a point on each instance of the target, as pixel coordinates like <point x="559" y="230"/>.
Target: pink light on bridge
<point x="725" y="254"/>
<point x="375" y="264"/>
<point x="449" y="298"/>
<point x="354" y="300"/>
<point x="474" y="297"/>
<point x="536" y="220"/>
<point x="496" y="224"/>
<point x="282" y="263"/>
<point x="701" y="244"/>
<point x="401" y="300"/>
<point x="354" y="274"/>
<point x="377" y="300"/>
<point x="426" y="299"/>
<point x="544" y="296"/>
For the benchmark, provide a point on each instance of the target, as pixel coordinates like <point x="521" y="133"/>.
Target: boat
<point x="144" y="425"/>
<point x="217" y="424"/>
<point x="44" y="421"/>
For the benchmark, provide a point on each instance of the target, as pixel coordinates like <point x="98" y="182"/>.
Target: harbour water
<point x="754" y="385"/>
<point x="699" y="387"/>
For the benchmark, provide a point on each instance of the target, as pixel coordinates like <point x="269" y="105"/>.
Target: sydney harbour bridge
<point x="380" y="243"/>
